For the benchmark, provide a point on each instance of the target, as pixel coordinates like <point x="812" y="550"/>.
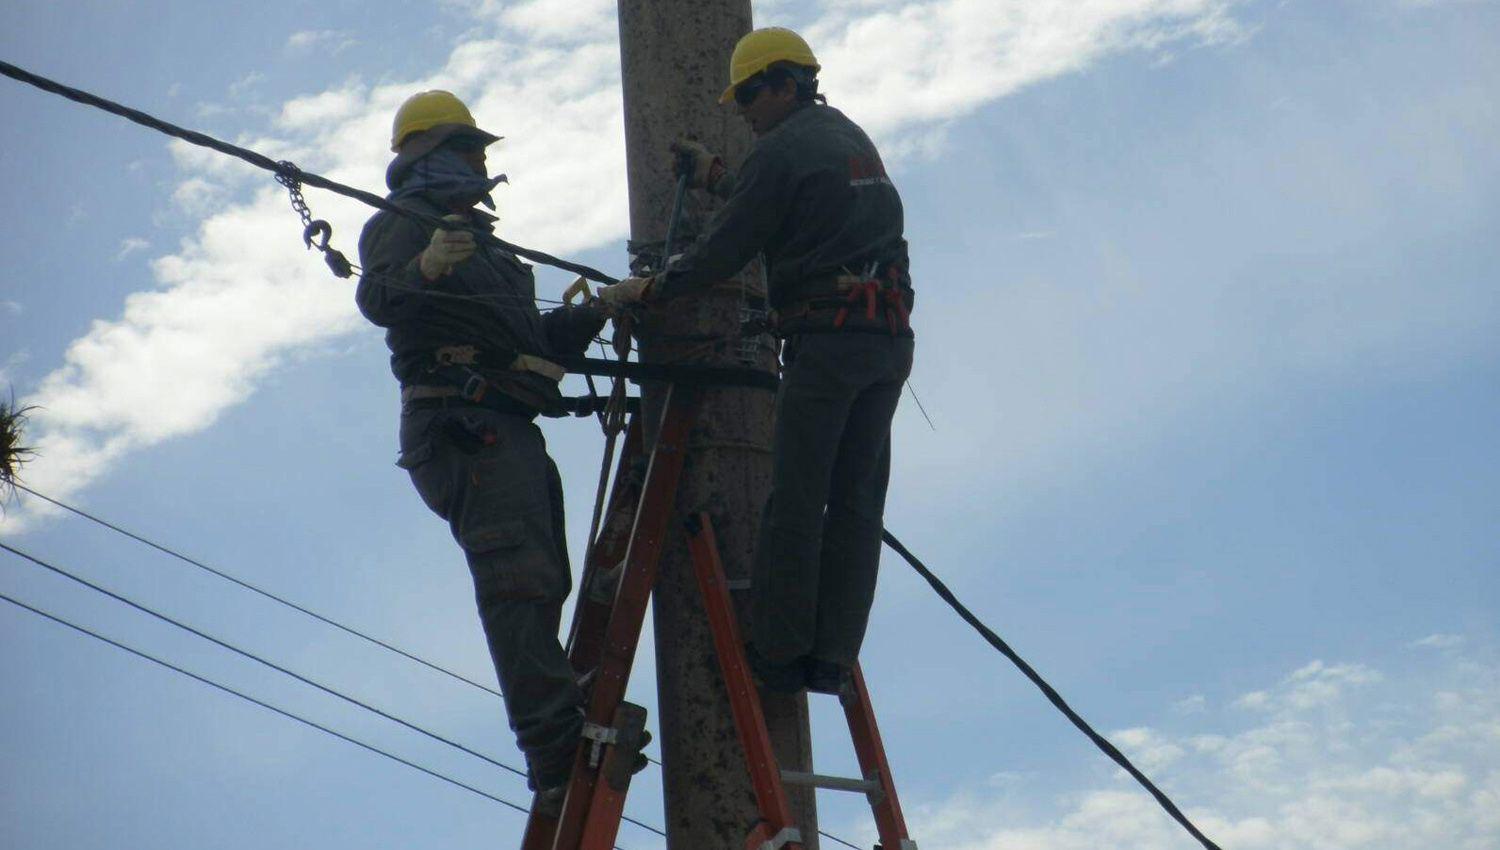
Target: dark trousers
<point x="819" y="545"/>
<point x="488" y="474"/>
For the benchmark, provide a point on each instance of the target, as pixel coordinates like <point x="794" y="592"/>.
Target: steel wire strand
<point x="267" y="594"/>
<point x="287" y="714"/>
<point x="264" y="162"/>
<point x="166" y="550"/>
<point x="244" y="696"/>
<point x="256" y="658"/>
<point x="1047" y="690"/>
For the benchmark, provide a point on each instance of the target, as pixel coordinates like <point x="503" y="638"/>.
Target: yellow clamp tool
<point x="579" y="287"/>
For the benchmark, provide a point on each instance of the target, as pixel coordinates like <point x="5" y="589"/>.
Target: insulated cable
<point x="287" y="714"/>
<point x="264" y="162"/>
<point x="1052" y="695"/>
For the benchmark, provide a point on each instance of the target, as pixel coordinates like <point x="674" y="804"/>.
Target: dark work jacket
<point x="421" y="316"/>
<point x="814" y="197"/>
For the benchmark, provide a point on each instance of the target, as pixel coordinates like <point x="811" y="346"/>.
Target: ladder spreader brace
<point x="613" y="594"/>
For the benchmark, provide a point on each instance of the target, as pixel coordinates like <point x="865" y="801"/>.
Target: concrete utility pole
<point x="675" y="59"/>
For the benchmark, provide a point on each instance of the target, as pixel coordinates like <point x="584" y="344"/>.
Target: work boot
<point x="827" y="677"/>
<point x="548" y="802"/>
<point x="778" y="678"/>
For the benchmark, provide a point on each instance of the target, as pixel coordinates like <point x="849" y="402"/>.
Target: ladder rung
<point x="868" y="787"/>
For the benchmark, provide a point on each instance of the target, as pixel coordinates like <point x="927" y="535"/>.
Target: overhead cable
<point x="244" y="696"/>
<point x="266" y="593"/>
<point x="262" y="161"/>
<point x="254" y="589"/>
<point x="256" y="658"/>
<point x="280" y="669"/>
<point x="1051" y="693"/>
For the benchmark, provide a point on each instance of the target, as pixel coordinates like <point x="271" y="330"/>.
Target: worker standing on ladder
<point x="468" y="347"/>
<point x="813" y="197"/>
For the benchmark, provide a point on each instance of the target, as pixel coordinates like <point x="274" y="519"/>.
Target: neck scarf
<point x="447" y="178"/>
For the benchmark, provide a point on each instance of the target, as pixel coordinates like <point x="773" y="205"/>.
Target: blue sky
<point x="1207" y="326"/>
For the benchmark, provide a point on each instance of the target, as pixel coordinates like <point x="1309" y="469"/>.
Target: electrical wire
<point x="166" y="550"/>
<point x="1051" y="693"/>
<point x="264" y="162"/>
<point x="265" y="593"/>
<point x="256" y="658"/>
<point x="434" y="736"/>
<point x="285" y="713"/>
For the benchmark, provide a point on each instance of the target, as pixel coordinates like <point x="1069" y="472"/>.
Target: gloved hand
<point x="628" y="291"/>
<point x="706" y="166"/>
<point x="447" y="249"/>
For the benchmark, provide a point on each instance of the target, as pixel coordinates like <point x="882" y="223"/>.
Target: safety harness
<point x="879" y="293"/>
<point x="468" y="374"/>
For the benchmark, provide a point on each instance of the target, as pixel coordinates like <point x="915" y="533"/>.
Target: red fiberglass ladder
<point x="616" y="585"/>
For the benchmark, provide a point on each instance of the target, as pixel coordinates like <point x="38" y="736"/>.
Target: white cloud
<point x="12" y="308"/>
<point x="1390" y="768"/>
<point x="1439" y="641"/>
<point x="1190" y="705"/>
<point x="976" y="51"/>
<point x="244" y="84"/>
<point x="241" y="294"/>
<point x="8" y="367"/>
<point x="131" y="245"/>
<point x="327" y="42"/>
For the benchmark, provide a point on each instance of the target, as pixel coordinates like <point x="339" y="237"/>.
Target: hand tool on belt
<point x="880" y="294"/>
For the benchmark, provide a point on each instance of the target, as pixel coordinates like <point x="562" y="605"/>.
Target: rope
<point x="285" y="713"/>
<point x="1052" y="695"/>
<point x="288" y="170"/>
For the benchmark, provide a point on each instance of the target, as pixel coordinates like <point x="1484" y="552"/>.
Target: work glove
<point x="447" y="249"/>
<point x="629" y="291"/>
<point x="702" y="166"/>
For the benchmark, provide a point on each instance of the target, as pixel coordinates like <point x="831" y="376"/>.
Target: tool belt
<point x="469" y="375"/>
<point x="867" y="303"/>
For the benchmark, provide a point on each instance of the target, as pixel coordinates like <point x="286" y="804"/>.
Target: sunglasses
<point x="746" y="93"/>
<point x="465" y="144"/>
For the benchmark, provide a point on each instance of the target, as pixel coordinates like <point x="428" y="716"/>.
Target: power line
<point x="254" y="589"/>
<point x="265" y="593"/>
<point x="287" y="714"/>
<point x="256" y="658"/>
<point x="1052" y="695"/>
<point x="244" y="696"/>
<point x="280" y="669"/>
<point x="264" y="162"/>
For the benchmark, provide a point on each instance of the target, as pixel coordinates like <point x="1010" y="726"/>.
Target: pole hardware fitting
<point x="601" y="736"/>
<point x="789" y="835"/>
<point x="290" y="176"/>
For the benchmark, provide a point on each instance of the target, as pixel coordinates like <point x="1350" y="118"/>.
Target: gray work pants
<point x="819" y="545"/>
<point x="488" y="474"/>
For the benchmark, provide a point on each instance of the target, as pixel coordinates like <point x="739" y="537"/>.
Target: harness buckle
<point x="474" y="387"/>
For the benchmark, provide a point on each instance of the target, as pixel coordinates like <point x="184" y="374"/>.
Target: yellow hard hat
<point x="425" y="110"/>
<point x="762" y="48"/>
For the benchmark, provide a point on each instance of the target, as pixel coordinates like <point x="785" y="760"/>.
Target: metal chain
<point x="290" y="176"/>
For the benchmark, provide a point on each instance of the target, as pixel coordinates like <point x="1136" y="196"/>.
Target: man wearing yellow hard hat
<point x="470" y="349"/>
<point x="813" y="198"/>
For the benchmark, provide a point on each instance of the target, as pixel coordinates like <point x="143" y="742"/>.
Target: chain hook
<point x="318" y="228"/>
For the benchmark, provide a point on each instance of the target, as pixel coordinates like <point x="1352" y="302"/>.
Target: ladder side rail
<point x="592" y="609"/>
<point x="749" y="719"/>
<point x="622" y="633"/>
<point x="890" y="824"/>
